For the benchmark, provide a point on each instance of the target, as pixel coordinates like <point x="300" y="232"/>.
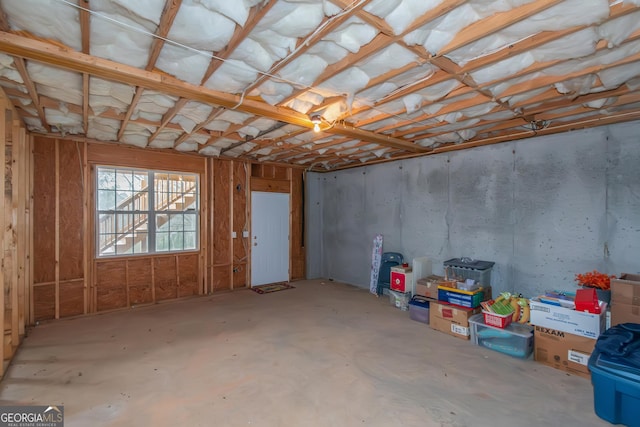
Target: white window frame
<point x="151" y="212"/>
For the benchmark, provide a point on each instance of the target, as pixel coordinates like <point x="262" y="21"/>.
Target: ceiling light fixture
<point x="316" y="119"/>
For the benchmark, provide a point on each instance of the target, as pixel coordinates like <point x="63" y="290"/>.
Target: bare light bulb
<point x="316" y="120"/>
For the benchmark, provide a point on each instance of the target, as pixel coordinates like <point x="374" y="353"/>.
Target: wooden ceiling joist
<point x="167" y="117"/>
<point x="241" y="32"/>
<point x="395" y="121"/>
<point x="85" y="33"/>
<point x="76" y="61"/>
<point x="303" y="45"/>
<point x="31" y="88"/>
<point x="214" y="113"/>
<point x="494" y="23"/>
<point x="617" y="11"/>
<point x="387" y="39"/>
<point x="169" y="13"/>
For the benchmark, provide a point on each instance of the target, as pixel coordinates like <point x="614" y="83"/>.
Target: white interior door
<point x="269" y="237"/>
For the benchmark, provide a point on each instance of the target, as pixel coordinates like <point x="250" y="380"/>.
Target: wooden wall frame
<point x="90" y="284"/>
<point x="15" y="230"/>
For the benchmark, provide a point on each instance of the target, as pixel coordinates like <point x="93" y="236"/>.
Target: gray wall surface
<point x="543" y="209"/>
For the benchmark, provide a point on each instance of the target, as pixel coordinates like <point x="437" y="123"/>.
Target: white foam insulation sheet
<point x="384" y="79"/>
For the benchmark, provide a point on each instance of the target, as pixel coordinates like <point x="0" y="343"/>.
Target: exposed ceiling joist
<point x="422" y="77"/>
<point x="76" y="61"/>
<point x="169" y="13"/>
<point x="257" y="13"/>
<point x="31" y="87"/>
<point x="85" y="34"/>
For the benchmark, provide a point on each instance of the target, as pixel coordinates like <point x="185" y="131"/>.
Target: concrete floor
<point x="323" y="354"/>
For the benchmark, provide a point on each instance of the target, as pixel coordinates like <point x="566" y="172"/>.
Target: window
<point x="141" y="212"/>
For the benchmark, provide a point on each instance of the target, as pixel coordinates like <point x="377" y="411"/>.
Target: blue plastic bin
<point x="616" y="376"/>
<point x="419" y="309"/>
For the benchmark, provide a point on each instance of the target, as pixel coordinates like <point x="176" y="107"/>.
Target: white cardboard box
<point x="564" y="319"/>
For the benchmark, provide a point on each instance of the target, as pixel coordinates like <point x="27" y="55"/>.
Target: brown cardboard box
<point x="626" y="289"/>
<point x="451" y="319"/>
<point x="624" y="313"/>
<point x="562" y="350"/>
<point x="625" y="299"/>
<point x="428" y="286"/>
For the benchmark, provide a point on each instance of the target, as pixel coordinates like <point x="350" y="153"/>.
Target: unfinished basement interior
<point x="320" y="212"/>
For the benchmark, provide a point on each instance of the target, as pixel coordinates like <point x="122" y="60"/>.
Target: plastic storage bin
<point x="515" y="340"/>
<point x="615" y="375"/>
<point x="400" y="299"/>
<point x="467" y="268"/>
<point x="419" y="309"/>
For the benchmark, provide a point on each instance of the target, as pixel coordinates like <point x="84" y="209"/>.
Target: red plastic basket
<point x="497" y="320"/>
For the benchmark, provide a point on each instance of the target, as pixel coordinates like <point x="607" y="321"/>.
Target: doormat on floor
<point x="272" y="287"/>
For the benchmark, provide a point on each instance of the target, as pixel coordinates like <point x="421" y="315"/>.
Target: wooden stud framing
<point x="19" y="162"/>
<point x="126" y="278"/>
<point x="203" y="269"/>
<point x="86" y="228"/>
<point x="3" y="134"/>
<point x="297" y="249"/>
<point x="210" y="232"/>
<point x="13" y="231"/>
<point x="240" y="224"/>
<point x="230" y="213"/>
<point x="153" y="278"/>
<point x="249" y="223"/>
<point x="30" y="296"/>
<point x="57" y="229"/>
<point x="177" y="258"/>
<point x="291" y="236"/>
<point x="15" y="221"/>
<point x="222" y="245"/>
<point x="93" y="292"/>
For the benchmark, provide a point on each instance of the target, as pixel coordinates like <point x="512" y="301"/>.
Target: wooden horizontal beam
<point x="70" y="59"/>
<point x="385" y="140"/>
<point x="64" y="57"/>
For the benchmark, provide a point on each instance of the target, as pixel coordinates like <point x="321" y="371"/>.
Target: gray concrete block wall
<point x="622" y="232"/>
<point x="425" y="199"/>
<point x="560" y="205"/>
<point x="314" y="190"/>
<point x="543" y="209"/>
<point x="481" y="209"/>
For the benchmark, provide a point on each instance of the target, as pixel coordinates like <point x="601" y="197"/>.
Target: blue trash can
<point x="615" y="375"/>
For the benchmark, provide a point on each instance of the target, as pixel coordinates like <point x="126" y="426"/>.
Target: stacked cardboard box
<point x="448" y="318"/>
<point x="625" y="299"/>
<point x="565" y="338"/>
<point x="451" y="319"/>
<point x="562" y="350"/>
<point x="428" y="286"/>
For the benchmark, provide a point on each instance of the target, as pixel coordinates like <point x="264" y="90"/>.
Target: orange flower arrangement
<point x="595" y="279"/>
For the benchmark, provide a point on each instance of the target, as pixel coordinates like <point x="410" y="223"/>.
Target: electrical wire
<point x="210" y="55"/>
<point x="206" y="53"/>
